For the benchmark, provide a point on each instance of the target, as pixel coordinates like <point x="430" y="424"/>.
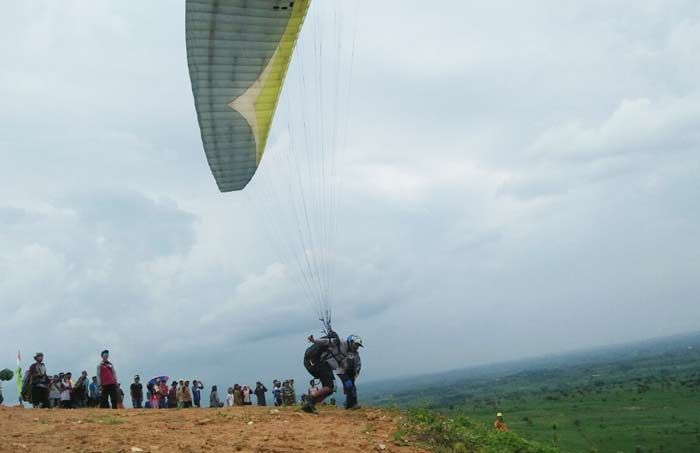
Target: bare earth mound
<point x="247" y="429"/>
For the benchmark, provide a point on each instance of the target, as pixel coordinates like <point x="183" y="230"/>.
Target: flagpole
<point x="19" y="379"/>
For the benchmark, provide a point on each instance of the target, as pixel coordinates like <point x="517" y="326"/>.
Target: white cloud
<point x="636" y="126"/>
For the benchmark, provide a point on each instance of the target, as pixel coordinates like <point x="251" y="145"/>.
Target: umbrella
<point x="158" y="378"/>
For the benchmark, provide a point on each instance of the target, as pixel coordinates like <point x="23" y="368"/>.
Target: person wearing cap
<point x="499" y="424"/>
<point x="136" y="391"/>
<point x="173" y="395"/>
<point x="37" y="383"/>
<point x="107" y="380"/>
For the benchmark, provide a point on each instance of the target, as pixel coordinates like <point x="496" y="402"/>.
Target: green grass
<point x="460" y="434"/>
<point x="617" y="421"/>
<point x="105" y="420"/>
<point x="636" y="399"/>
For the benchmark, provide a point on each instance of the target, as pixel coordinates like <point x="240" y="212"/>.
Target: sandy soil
<point x="248" y="429"/>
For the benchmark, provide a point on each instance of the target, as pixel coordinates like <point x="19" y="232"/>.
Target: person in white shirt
<point x="66" y="388"/>
<point x="229" y="397"/>
<point x="55" y="392"/>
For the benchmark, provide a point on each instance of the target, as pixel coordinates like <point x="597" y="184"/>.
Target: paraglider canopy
<point x="238" y="54"/>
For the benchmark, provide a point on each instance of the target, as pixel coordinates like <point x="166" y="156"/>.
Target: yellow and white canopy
<point x="238" y="52"/>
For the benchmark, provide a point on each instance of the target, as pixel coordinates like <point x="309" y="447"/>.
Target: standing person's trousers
<point x="40" y="396"/>
<point x="350" y="390"/>
<point x="109" y="392"/>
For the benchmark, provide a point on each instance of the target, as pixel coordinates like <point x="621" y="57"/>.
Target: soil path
<point x="248" y="429"/>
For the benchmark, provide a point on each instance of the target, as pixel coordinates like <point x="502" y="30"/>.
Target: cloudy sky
<point x="519" y="179"/>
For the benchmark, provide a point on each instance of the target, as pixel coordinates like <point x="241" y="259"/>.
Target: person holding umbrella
<point x="154" y="388"/>
<point x="159" y="390"/>
<point x="163" y="394"/>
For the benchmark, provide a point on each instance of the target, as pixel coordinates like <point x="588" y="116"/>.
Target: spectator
<point x="163" y="394"/>
<point x="66" y="389"/>
<point x="312" y="387"/>
<point x="178" y="394"/>
<point x="155" y="395"/>
<point x="55" y="391"/>
<point x="172" y="396"/>
<point x="36" y="383"/>
<point x="287" y="399"/>
<point x="230" y="401"/>
<point x="499" y="424"/>
<point x="136" y="391"/>
<point x="292" y="392"/>
<point x="245" y="395"/>
<point x="197" y="388"/>
<point x="260" y="391"/>
<point x="80" y="390"/>
<point x="214" y="398"/>
<point x="94" y="393"/>
<point x="277" y="392"/>
<point x="107" y="380"/>
<point x="237" y="395"/>
<point x="186" y="395"/>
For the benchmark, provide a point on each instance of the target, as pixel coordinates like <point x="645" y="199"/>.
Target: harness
<point x="315" y="354"/>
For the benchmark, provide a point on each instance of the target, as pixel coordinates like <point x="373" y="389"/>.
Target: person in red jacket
<point x="107" y="380"/>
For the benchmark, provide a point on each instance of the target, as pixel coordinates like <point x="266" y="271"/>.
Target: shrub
<point x="442" y="434"/>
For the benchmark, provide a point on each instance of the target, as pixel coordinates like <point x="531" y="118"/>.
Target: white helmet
<point x="355" y="340"/>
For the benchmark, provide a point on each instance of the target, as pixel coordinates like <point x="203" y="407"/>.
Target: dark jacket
<point x="260" y="391"/>
<point x="136" y="391"/>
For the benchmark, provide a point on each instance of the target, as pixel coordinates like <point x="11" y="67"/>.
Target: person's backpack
<point x="314" y="353"/>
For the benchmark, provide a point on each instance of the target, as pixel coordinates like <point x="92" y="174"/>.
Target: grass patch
<point x="442" y="434"/>
<point x="106" y="420"/>
<point x="641" y="397"/>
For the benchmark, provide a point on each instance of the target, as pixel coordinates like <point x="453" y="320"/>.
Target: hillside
<point x="637" y="397"/>
<point x="249" y="429"/>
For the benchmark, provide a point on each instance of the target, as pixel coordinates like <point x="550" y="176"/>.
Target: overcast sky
<point x="520" y="178"/>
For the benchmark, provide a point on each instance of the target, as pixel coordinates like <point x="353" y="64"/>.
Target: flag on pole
<point x="18" y="375"/>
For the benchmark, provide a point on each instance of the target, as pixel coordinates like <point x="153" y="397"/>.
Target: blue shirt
<point x="94" y="390"/>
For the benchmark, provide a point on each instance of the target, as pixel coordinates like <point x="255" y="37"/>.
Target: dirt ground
<point x="245" y="429"/>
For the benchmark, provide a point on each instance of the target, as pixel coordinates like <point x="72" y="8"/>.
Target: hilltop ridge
<point x="245" y="429"/>
<point x="248" y="429"/>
